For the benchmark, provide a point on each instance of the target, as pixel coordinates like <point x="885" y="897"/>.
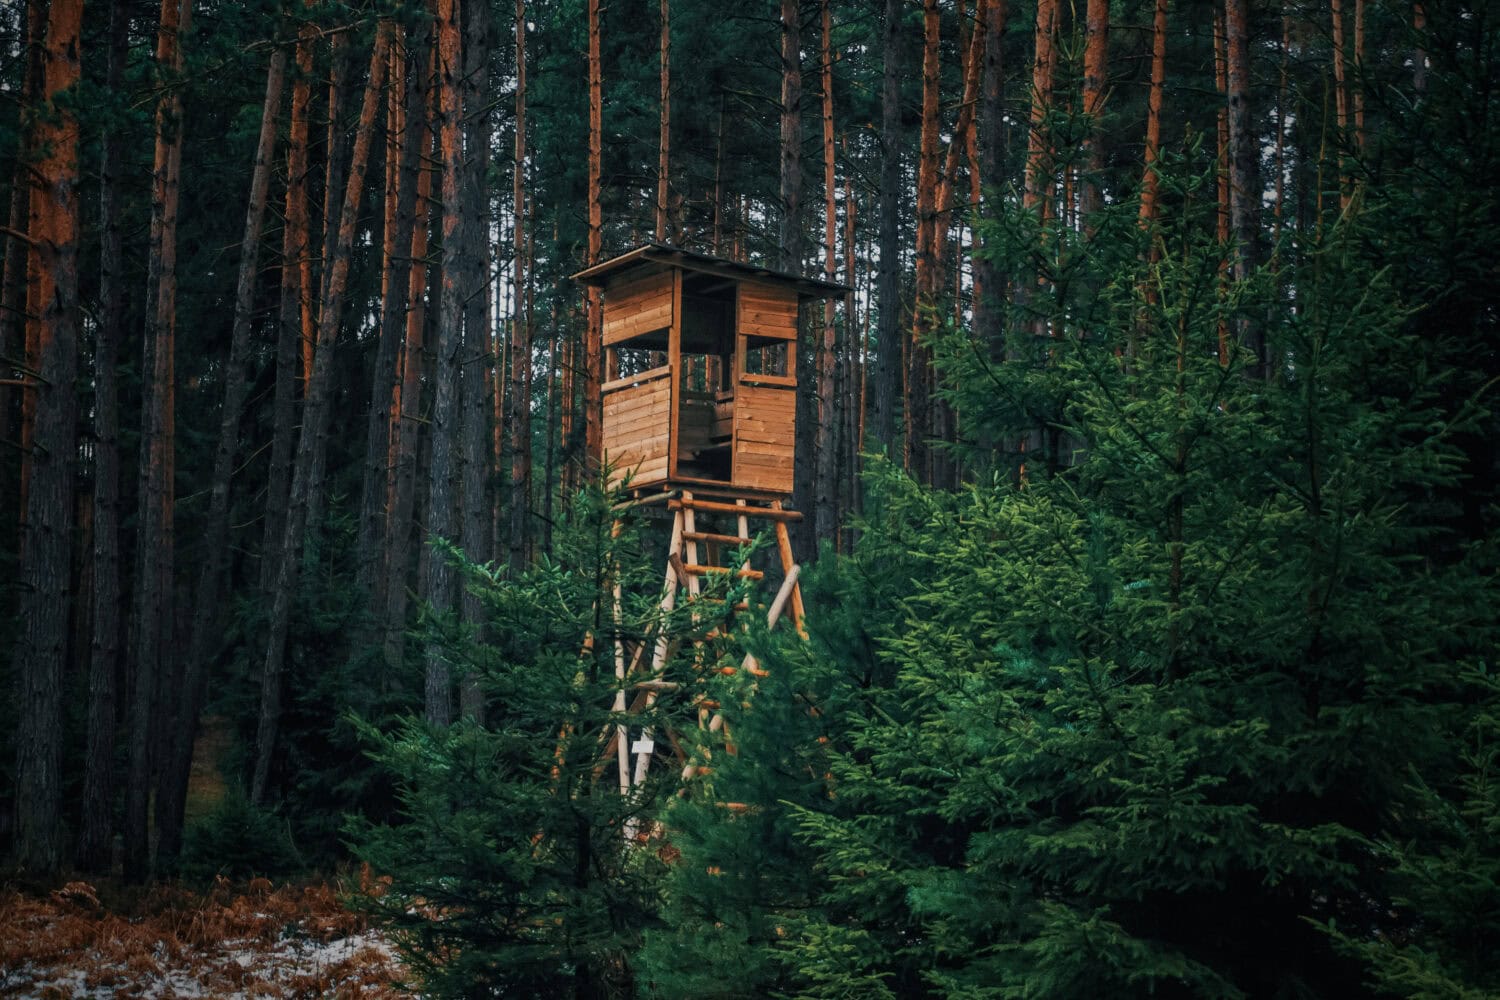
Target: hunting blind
<point x="700" y="382"/>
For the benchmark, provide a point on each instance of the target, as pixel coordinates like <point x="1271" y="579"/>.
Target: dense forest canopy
<point x="1147" y="473"/>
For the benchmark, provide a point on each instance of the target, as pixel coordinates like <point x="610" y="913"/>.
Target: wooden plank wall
<point x="636" y="305"/>
<point x="767" y="311"/>
<point x="765" y="432"/>
<point x="637" y="419"/>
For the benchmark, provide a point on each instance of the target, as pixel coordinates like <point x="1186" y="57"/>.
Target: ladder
<point x="694" y="554"/>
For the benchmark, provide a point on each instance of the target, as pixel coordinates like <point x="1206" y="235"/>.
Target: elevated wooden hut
<point x="700" y="382"/>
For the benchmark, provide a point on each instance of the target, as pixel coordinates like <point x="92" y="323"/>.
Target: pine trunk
<point x="401" y="164"/>
<point x="172" y="791"/>
<point x="789" y="244"/>
<point x="312" y="445"/>
<point x="474" y="522"/>
<point x="825" y="450"/>
<point x="664" y="143"/>
<point x="292" y="314"/>
<point x="439" y="591"/>
<point x="519" y="417"/>
<point x="96" y="822"/>
<point x="1095" y="89"/>
<point x="594" y="332"/>
<point x="153" y="615"/>
<point x="1244" y="167"/>
<point x="919" y="418"/>
<point x="1150" y="182"/>
<point x="888" y="275"/>
<point x="991" y="130"/>
<point x="46" y="541"/>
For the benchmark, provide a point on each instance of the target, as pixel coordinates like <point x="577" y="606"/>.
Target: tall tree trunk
<point x="593" y="338"/>
<point x="664" y="143"/>
<point x="1221" y="170"/>
<point x="1039" y="171"/>
<point x="888" y="277"/>
<point x="789" y="244"/>
<point x="1244" y="167"/>
<point x="401" y="163"/>
<point x="439" y="592"/>
<point x="519" y="417"/>
<point x="474" y="522"/>
<point x="406" y="401"/>
<point x="15" y="341"/>
<point x="312" y="443"/>
<point x="919" y="423"/>
<point x="1095" y="90"/>
<point x="153" y="616"/>
<point x="333" y="185"/>
<point x="172" y="791"/>
<point x="1340" y="95"/>
<point x="1419" y="53"/>
<point x="46" y="540"/>
<point x="826" y="472"/>
<point x="991" y="129"/>
<point x="1150" y="182"/>
<point x="293" y="314"/>
<point x="96" y="822"/>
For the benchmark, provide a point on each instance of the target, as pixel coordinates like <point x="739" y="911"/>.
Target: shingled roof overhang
<point x="661" y="253"/>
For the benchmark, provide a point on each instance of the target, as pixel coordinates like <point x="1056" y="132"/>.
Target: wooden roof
<point x="661" y="253"/>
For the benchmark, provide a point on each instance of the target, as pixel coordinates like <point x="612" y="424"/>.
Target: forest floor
<point x="246" y="941"/>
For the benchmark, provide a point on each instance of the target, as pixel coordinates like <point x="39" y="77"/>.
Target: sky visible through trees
<point x="1147" y="468"/>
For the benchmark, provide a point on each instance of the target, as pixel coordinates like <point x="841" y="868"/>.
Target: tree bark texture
<point x="1150" y="182"/>
<point x="312" y="444"/>
<point x="1244" y="166"/>
<point x="664" y="142"/>
<point x="439" y="592"/>
<point x="826" y="470"/>
<point x="1095" y="91"/>
<point x="789" y="243"/>
<point x="46" y="540"/>
<point x="888" y="276"/>
<point x="591" y="369"/>
<point x="154" y="571"/>
<point x="919" y="422"/>
<point x="172" y="791"/>
<point x="519" y="414"/>
<point x="96" y="821"/>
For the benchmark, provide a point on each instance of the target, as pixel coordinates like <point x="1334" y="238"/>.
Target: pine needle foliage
<point x="511" y="874"/>
<point x="1142" y="714"/>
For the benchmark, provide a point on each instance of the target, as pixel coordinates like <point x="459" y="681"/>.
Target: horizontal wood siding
<point x="765" y="430"/>
<point x="636" y="422"/>
<point x="766" y="311"/>
<point x="637" y="305"/>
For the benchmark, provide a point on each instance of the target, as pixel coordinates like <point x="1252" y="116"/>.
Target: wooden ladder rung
<point x="743" y="574"/>
<point x="729" y="508"/>
<point x="709" y="536"/>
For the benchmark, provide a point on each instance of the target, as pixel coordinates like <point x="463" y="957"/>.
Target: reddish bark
<point x="45" y="565"/>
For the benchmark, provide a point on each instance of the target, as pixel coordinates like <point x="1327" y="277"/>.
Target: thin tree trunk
<point x="664" y="143"/>
<point x="1419" y="54"/>
<point x="919" y="422"/>
<point x="312" y="444"/>
<point x="406" y="398"/>
<point x="292" y="313"/>
<point x="1340" y="95"/>
<point x="826" y="471"/>
<point x="1244" y="167"/>
<point x="1095" y="90"/>
<point x="1039" y="174"/>
<point x="153" y="615"/>
<point x="888" y="277"/>
<point x="789" y="244"/>
<point x="519" y="417"/>
<point x="991" y="129"/>
<point x="333" y="184"/>
<point x="172" y="791"/>
<point x="718" y="225"/>
<point x="439" y="591"/>
<point x="46" y="541"/>
<point x="401" y="165"/>
<point x="96" y="822"/>
<point x="474" y="523"/>
<point x="1222" y="229"/>
<point x="1150" y="182"/>
<point x="593" y="440"/>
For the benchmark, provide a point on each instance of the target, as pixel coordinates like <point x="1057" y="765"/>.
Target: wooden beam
<point x="775" y="513"/>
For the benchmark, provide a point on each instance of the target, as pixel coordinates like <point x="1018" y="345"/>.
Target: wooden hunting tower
<point x="700" y="383"/>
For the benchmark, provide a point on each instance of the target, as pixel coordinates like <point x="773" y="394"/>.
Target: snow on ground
<point x="292" y="942"/>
